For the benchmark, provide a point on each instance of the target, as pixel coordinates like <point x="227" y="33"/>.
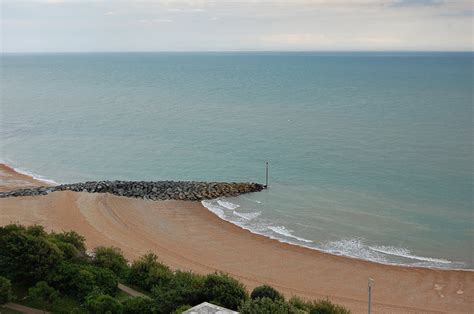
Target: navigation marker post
<point x="266" y="174"/>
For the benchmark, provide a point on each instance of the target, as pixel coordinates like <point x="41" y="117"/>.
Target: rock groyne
<point x="152" y="190"/>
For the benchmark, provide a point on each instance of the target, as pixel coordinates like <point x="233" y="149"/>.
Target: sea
<point x="370" y="154"/>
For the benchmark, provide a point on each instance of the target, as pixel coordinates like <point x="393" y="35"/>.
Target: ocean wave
<point x="227" y="204"/>
<point x="353" y="247"/>
<point x="287" y="233"/>
<point x="401" y="252"/>
<point x="247" y="216"/>
<point x="213" y="208"/>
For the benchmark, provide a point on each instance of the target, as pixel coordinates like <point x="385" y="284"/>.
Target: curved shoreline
<point x="186" y="235"/>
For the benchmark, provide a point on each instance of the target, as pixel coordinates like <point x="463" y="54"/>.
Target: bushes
<point x="148" y="272"/>
<point x="326" y="307"/>
<point x="27" y="255"/>
<point x="112" y="259"/>
<point x="78" y="280"/>
<point x="139" y="305"/>
<point x="224" y="290"/>
<point x="98" y="303"/>
<point x="266" y="305"/>
<point x="265" y="291"/>
<point x="5" y="290"/>
<point x="183" y="288"/>
<point x="317" y="307"/>
<point x="42" y="294"/>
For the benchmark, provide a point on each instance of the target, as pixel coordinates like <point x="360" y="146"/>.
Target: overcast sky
<point x="203" y="25"/>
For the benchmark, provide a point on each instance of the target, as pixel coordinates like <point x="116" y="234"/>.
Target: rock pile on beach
<point x="153" y="190"/>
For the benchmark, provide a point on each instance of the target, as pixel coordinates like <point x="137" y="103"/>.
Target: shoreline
<point x="188" y="236"/>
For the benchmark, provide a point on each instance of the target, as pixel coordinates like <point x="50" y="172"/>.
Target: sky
<point x="245" y="25"/>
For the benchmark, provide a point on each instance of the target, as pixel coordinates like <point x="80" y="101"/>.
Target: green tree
<point x="139" y="305"/>
<point x="70" y="243"/>
<point x="224" y="290"/>
<point x="112" y="259"/>
<point x="98" y="303"/>
<point x="147" y="272"/>
<point x="183" y="288"/>
<point x="266" y="291"/>
<point x="27" y="254"/>
<point x="5" y="290"/>
<point x="42" y="294"/>
<point x="78" y="280"/>
<point x="266" y="305"/>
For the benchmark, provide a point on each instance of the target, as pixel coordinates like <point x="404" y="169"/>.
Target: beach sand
<point x="186" y="236"/>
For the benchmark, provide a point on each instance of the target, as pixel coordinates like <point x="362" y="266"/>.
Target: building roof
<point x="208" y="308"/>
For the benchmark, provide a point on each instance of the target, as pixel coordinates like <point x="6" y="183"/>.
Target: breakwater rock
<point x="153" y="190"/>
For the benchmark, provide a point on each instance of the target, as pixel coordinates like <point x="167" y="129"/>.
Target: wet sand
<point x="185" y="235"/>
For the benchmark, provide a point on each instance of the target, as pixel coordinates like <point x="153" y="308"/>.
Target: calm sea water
<point x="371" y="155"/>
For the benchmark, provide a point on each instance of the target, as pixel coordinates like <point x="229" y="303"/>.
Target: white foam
<point x="227" y="204"/>
<point x="287" y="233"/>
<point x="401" y="252"/>
<point x="247" y="216"/>
<point x="353" y="248"/>
<point x="213" y="208"/>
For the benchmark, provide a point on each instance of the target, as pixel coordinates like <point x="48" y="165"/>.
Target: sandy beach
<point x="185" y="235"/>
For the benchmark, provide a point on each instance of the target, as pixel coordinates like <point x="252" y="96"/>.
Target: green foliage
<point x="112" y="259"/>
<point x="183" y="288"/>
<point x="5" y="290"/>
<point x="317" y="307"/>
<point x="139" y="305"/>
<point x="70" y="243"/>
<point x="148" y="272"/>
<point x="43" y="294"/>
<point x="225" y="291"/>
<point x="80" y="279"/>
<point x="27" y="254"/>
<point x="98" y="303"/>
<point x="266" y="291"/>
<point x="266" y="305"/>
<point x="326" y="307"/>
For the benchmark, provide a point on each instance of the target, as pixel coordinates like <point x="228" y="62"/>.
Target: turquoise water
<point x="371" y="155"/>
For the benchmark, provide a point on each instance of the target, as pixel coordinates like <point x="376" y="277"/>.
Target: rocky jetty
<point x="152" y="190"/>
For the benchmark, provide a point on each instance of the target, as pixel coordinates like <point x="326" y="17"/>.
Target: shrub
<point x="112" y="259"/>
<point x="5" y="290"/>
<point x="79" y="280"/>
<point x="27" y="254"/>
<point x="266" y="305"/>
<point x="224" y="290"/>
<point x="298" y="303"/>
<point x="326" y="307"/>
<point x="183" y="288"/>
<point x="70" y="243"/>
<point x="42" y="294"/>
<point x="265" y="291"/>
<point x="147" y="272"/>
<point x="98" y="303"/>
<point x="139" y="305"/>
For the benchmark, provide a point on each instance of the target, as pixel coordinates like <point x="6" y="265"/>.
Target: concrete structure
<point x="208" y="308"/>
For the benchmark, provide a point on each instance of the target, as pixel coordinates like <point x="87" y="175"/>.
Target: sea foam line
<point x="29" y="174"/>
<point x="351" y="248"/>
<point x="401" y="252"/>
